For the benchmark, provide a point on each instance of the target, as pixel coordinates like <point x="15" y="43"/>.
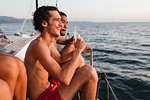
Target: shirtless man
<point x="13" y="75"/>
<point x="61" y="41"/>
<point x="40" y="62"/>
<point x="66" y="46"/>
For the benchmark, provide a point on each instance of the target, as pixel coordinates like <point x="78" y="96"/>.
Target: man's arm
<point x="65" y="74"/>
<point x="67" y="52"/>
<point x="64" y="41"/>
<point x="61" y="58"/>
<point x="65" y="58"/>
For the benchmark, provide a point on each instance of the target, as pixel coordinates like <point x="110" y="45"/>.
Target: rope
<point x="2" y="46"/>
<point x="4" y="40"/>
<point x="104" y="76"/>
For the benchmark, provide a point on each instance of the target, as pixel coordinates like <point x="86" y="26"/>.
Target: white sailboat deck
<point x="18" y="43"/>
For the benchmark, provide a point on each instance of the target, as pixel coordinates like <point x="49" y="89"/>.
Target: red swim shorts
<point x="52" y="92"/>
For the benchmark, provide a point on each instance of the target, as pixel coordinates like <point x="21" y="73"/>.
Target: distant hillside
<point x="6" y="19"/>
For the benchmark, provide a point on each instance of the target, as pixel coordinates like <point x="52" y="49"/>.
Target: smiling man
<point x="66" y="46"/>
<point x="42" y="59"/>
<point x="62" y="41"/>
<point x="64" y="23"/>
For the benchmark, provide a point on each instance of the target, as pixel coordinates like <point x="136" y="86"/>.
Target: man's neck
<point x="48" y="38"/>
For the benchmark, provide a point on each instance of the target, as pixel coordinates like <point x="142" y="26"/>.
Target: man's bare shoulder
<point x="36" y="44"/>
<point x="37" y="48"/>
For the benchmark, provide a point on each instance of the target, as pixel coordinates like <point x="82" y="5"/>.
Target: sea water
<point x="122" y="50"/>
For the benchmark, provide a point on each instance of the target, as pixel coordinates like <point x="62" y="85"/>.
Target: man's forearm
<point x="66" y="57"/>
<point x="71" y="67"/>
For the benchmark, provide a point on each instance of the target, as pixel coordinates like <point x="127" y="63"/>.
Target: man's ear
<point x="44" y="23"/>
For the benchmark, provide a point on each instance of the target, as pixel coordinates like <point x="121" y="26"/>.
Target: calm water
<point x="123" y="51"/>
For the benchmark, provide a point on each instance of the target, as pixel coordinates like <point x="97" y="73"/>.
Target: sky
<point x="84" y="10"/>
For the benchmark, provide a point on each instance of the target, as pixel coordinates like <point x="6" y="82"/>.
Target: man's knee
<point x="93" y="73"/>
<point x="21" y="70"/>
<point x="10" y="67"/>
<point x="21" y="66"/>
<point x="90" y="72"/>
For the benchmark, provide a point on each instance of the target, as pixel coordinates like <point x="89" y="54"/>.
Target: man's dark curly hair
<point x="62" y="13"/>
<point x="42" y="14"/>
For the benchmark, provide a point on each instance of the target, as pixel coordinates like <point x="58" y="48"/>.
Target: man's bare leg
<point x="85" y="78"/>
<point x="4" y="91"/>
<point x="9" y="72"/>
<point x="21" y="85"/>
<point x="12" y="70"/>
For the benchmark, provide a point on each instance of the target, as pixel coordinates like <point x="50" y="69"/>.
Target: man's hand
<point x="80" y="44"/>
<point x="71" y="40"/>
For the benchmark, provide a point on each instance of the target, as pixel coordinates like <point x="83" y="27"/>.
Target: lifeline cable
<point x="105" y="77"/>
